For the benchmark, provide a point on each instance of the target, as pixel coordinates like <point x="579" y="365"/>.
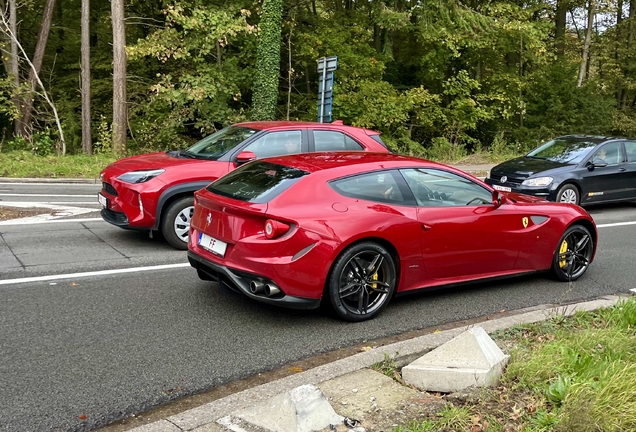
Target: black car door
<point x="630" y="168"/>
<point x="606" y="183"/>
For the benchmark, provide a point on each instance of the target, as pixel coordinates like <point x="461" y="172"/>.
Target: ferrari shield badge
<point x="524" y="221"/>
<point x="208" y="220"/>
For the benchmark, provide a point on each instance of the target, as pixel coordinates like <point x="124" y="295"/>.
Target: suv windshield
<point x="564" y="150"/>
<point x="220" y="142"/>
<point x="257" y="182"/>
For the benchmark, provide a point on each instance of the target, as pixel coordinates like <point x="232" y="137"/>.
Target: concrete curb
<point x="403" y="352"/>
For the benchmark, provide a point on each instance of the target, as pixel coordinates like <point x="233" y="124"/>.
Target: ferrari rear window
<point x="257" y="182"/>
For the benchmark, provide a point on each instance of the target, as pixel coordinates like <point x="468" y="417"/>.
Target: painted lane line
<point x="16" y="222"/>
<point x="48" y="195"/>
<point x="73" y="184"/>
<point x="89" y="274"/>
<point x="609" y="225"/>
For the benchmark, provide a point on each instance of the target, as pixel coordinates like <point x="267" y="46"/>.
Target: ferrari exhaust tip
<point x="271" y="289"/>
<point x="256" y="287"/>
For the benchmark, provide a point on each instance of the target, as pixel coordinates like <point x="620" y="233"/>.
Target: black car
<point x="579" y="169"/>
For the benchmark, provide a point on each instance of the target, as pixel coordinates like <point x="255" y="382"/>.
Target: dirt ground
<point x="7" y="213"/>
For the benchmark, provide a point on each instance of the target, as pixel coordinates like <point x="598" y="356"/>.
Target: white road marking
<point x="89" y="274"/>
<point x="50" y="184"/>
<point x="633" y="290"/>
<point x="47" y="195"/>
<point x="609" y="225"/>
<point x="14" y="222"/>
<point x="56" y="212"/>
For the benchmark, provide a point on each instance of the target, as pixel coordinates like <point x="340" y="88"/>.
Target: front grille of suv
<point x="108" y="188"/>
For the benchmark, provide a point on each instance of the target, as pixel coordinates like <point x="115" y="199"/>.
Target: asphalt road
<point x="80" y="351"/>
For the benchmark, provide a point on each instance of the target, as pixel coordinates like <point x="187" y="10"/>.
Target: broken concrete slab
<point x="303" y="409"/>
<point x="470" y="359"/>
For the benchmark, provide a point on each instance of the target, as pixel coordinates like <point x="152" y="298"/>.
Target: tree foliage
<point x="440" y="76"/>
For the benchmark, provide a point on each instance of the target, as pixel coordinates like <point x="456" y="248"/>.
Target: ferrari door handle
<point x="622" y="169"/>
<point x="426" y="227"/>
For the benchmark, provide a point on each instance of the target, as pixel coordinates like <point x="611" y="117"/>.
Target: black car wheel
<point x="573" y="254"/>
<point x="175" y="222"/>
<point x="362" y="281"/>
<point x="568" y="194"/>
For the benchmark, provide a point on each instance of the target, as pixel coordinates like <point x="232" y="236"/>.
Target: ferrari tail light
<point x="275" y="229"/>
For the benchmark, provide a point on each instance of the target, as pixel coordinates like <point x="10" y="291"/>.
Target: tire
<point x="568" y="193"/>
<point x="175" y="222"/>
<point x="362" y="282"/>
<point x="573" y="254"/>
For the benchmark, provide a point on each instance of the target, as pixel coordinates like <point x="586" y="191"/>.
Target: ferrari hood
<point x="522" y="198"/>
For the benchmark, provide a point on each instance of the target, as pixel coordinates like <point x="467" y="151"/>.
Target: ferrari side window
<point x="378" y="186"/>
<point x="435" y="188"/>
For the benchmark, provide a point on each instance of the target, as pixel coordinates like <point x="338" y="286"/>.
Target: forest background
<point x="436" y="77"/>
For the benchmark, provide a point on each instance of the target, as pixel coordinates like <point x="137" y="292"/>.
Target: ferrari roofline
<point x="357" y="161"/>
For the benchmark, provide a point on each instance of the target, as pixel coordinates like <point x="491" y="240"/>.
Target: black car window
<point x="434" y="188"/>
<point x="610" y="153"/>
<point x="570" y="150"/>
<point x="276" y="144"/>
<point x="216" y="145"/>
<point x="379" y="186"/>
<point x="630" y="148"/>
<point x="334" y="141"/>
<point x="257" y="182"/>
<point x="377" y="139"/>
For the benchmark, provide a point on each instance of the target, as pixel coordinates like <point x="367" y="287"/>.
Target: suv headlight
<point x="140" y="176"/>
<point x="539" y="181"/>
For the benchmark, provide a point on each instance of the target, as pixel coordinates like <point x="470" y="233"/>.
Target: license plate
<point x="215" y="246"/>
<point x="102" y="200"/>
<point x="502" y="188"/>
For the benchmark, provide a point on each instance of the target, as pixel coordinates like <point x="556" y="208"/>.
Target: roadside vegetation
<point x="565" y="374"/>
<point x="26" y="163"/>
<point x="19" y="164"/>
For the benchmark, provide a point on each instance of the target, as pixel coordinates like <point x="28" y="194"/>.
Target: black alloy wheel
<point x="362" y="282"/>
<point x="573" y="254"/>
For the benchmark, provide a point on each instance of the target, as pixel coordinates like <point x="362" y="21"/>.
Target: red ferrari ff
<point x="154" y="191"/>
<point x="356" y="229"/>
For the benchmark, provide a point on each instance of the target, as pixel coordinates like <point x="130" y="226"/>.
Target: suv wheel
<point x="175" y="222"/>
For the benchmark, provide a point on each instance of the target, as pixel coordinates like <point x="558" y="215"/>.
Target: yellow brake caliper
<point x="562" y="251"/>
<point x="374" y="277"/>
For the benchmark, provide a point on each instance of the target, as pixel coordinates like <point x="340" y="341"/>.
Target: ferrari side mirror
<point x="498" y="198"/>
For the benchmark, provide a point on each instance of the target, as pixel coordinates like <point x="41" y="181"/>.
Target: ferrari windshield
<point x="220" y="142"/>
<point x="568" y="150"/>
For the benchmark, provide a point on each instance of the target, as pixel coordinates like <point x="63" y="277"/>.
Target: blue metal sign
<point x="326" y="66"/>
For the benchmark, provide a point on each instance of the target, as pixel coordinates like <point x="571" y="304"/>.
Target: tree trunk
<point x="586" y="44"/>
<point x="120" y="118"/>
<point x="14" y="71"/>
<point x="87" y="143"/>
<point x="265" y="88"/>
<point x="559" y="34"/>
<point x="630" y="40"/>
<point x="38" y="57"/>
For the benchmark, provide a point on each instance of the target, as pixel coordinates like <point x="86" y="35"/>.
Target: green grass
<point x="26" y="164"/>
<point x="20" y="164"/>
<point x="573" y="373"/>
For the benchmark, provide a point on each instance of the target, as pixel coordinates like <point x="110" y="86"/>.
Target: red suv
<point x="155" y="191"/>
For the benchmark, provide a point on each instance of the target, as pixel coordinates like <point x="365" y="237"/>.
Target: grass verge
<point x="20" y="164"/>
<point x="565" y="374"/>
